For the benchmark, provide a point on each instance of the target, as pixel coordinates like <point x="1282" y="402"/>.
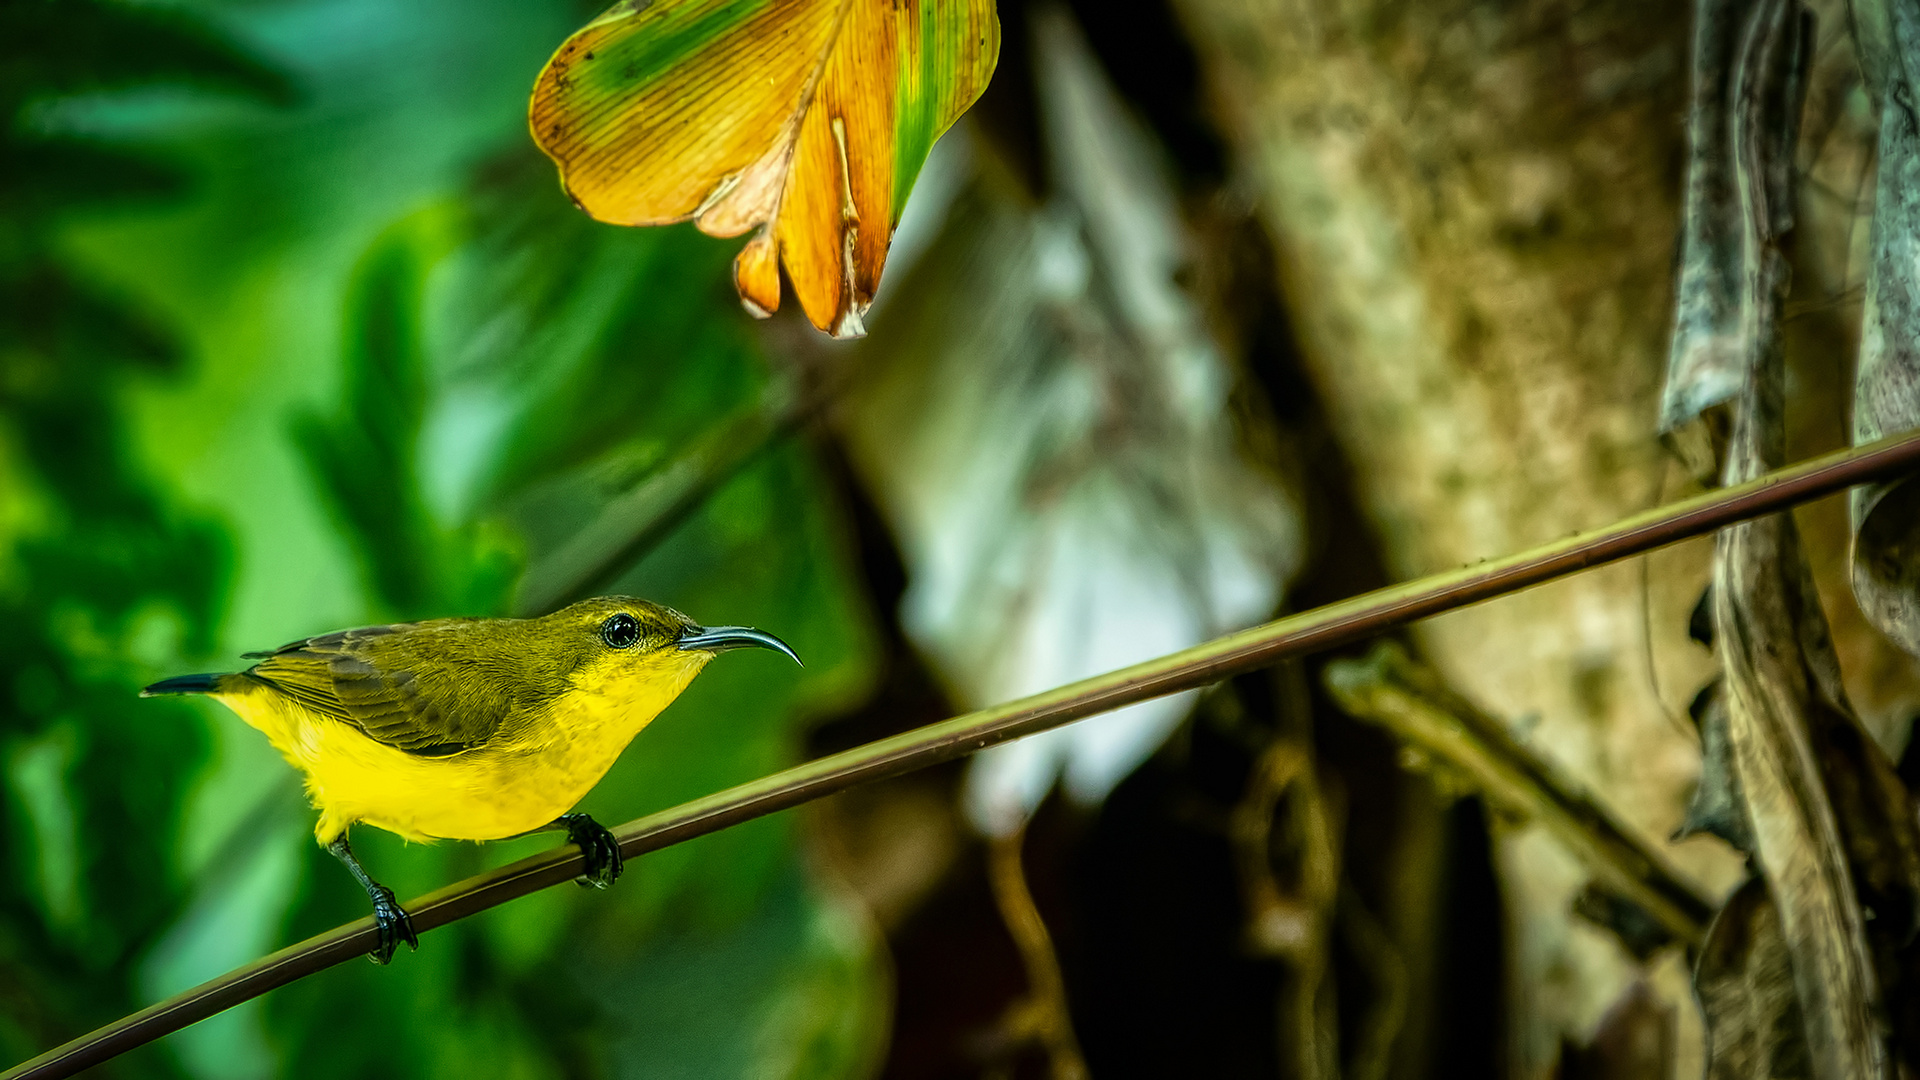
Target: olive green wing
<point x="412" y="686"/>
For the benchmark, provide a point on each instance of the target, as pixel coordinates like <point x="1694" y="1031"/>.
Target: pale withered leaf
<point x="1044" y="420"/>
<point x="1886" y="516"/>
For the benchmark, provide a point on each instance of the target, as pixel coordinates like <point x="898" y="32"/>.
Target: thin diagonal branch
<point x="1389" y="689"/>
<point x="634" y="521"/>
<point x="1042" y="1016"/>
<point x="1323" y="628"/>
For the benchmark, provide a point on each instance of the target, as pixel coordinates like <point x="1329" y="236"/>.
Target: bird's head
<point x="626" y="638"/>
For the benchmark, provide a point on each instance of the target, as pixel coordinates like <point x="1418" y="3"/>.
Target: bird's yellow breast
<point x="536" y="767"/>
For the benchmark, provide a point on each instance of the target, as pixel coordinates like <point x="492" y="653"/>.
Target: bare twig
<point x="1323" y="628"/>
<point x="634" y="521"/>
<point x="1378" y="1028"/>
<point x="1388" y="688"/>
<point x="1286" y="845"/>
<point x="1282" y="923"/>
<point x="1042" y="1015"/>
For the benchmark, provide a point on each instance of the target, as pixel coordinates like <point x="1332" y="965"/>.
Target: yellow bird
<point x="469" y="729"/>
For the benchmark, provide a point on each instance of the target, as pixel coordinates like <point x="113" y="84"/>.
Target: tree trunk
<point x="1474" y="210"/>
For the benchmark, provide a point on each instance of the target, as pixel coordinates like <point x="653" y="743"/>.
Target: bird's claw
<point x="391" y="920"/>
<point x="602" y="851"/>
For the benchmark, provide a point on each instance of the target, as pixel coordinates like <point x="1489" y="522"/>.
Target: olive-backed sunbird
<point x="469" y="729"/>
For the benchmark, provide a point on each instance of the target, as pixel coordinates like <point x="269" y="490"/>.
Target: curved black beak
<point x="721" y="638"/>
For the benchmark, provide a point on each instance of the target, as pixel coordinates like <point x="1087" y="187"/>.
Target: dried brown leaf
<point x="1716" y="807"/>
<point x="1828" y="823"/>
<point x="1744" y="979"/>
<point x="1779" y="713"/>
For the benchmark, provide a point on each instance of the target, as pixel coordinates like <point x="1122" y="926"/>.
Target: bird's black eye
<point x="620" y="631"/>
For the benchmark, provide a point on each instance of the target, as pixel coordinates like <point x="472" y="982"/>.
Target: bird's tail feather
<point x="184" y="684"/>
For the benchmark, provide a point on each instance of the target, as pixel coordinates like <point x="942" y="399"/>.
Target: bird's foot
<point x="602" y="851"/>
<point x="392" y="922"/>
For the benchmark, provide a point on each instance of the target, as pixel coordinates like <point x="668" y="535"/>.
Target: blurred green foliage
<point x="96" y="570"/>
<point x="299" y="333"/>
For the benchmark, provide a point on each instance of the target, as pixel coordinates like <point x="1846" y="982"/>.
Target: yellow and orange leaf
<point x="807" y="118"/>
